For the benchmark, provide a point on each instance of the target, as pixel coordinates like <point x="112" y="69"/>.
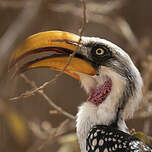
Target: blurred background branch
<point x="16" y="32"/>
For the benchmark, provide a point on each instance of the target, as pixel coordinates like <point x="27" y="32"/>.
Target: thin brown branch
<point x="84" y="19"/>
<point x="43" y="94"/>
<point x="37" y="89"/>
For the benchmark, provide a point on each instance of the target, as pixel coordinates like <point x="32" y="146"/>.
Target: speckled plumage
<point x="103" y="138"/>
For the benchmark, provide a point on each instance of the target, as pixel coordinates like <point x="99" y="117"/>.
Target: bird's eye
<point x="99" y="51"/>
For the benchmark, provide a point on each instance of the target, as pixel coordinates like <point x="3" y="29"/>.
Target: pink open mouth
<point x="99" y="94"/>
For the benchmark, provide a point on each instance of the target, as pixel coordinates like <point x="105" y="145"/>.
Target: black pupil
<point x="99" y="51"/>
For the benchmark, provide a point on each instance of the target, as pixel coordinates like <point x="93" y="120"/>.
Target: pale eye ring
<point x="99" y="51"/>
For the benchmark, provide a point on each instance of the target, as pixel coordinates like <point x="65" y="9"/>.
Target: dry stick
<point x="32" y="92"/>
<point x="44" y="95"/>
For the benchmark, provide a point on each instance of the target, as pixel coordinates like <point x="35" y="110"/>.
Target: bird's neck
<point x="102" y="106"/>
<point x="118" y="105"/>
<point x="105" y="113"/>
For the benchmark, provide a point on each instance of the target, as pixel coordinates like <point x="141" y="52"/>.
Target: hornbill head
<point x="106" y="72"/>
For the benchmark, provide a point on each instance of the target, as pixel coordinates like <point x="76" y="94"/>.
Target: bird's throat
<point x="98" y="95"/>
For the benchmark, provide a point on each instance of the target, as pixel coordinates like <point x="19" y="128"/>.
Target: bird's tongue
<point x="98" y="95"/>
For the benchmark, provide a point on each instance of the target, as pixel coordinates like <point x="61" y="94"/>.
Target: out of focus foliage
<point x="69" y="143"/>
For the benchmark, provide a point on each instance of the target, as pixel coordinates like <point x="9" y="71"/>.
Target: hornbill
<point x="108" y="75"/>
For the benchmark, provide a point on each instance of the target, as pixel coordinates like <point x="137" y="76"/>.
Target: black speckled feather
<point x="108" y="139"/>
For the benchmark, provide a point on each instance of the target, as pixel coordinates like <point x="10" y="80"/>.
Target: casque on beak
<point x="62" y="44"/>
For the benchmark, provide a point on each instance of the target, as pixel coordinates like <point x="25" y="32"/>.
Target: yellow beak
<point x="60" y="42"/>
